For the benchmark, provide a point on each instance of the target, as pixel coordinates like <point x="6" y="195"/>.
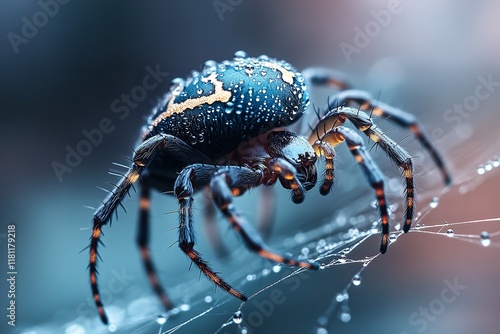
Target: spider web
<point x="337" y="241"/>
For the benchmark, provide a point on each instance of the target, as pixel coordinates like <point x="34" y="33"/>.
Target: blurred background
<point x="65" y="63"/>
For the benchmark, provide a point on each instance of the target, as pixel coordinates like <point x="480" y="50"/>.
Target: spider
<point x="227" y="129"/>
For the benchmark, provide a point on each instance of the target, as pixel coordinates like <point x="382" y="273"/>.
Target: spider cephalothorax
<point x="227" y="129"/>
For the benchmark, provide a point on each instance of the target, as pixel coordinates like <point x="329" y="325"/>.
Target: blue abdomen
<point x="231" y="102"/>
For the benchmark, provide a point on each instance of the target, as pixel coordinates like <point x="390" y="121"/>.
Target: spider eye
<point x="307" y="159"/>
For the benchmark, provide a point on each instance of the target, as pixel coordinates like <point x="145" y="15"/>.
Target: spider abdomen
<point x="230" y="102"/>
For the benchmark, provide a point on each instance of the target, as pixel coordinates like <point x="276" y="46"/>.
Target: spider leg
<point x="356" y="145"/>
<point x="196" y="175"/>
<point x="143" y="155"/>
<point x="364" y="101"/>
<point x="143" y="241"/>
<point x="396" y="153"/>
<point x="210" y="226"/>
<point x="222" y="184"/>
<point x="321" y="76"/>
<point x="288" y="178"/>
<point x="265" y="218"/>
<point x="327" y="150"/>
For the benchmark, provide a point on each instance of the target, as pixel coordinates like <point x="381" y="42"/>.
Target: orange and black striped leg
<point x="142" y="157"/>
<point x="101" y="217"/>
<point x="326" y="150"/>
<point x="199" y="175"/>
<point x="320" y="76"/>
<point x="355" y="143"/>
<point x="364" y="101"/>
<point x="143" y="241"/>
<point x="221" y="186"/>
<point x="287" y="175"/>
<point x="210" y="226"/>
<point x="397" y="154"/>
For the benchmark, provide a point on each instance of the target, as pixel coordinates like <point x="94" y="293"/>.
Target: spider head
<point x="297" y="151"/>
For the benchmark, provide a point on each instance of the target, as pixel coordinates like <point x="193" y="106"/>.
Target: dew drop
<point x="434" y="203"/>
<point x="238" y="317"/>
<point x="346" y="295"/>
<point x="199" y="91"/>
<point x="496" y="162"/>
<point x="374" y="204"/>
<point x="184" y="307"/>
<point x="276" y="269"/>
<point x="249" y="69"/>
<point x="393" y="237"/>
<point x="481" y="170"/>
<point x="322" y="321"/>
<point x="265" y="272"/>
<point x="193" y="140"/>
<point x="342" y="258"/>
<point x="208" y="299"/>
<point x="209" y="67"/>
<point x="321" y="330"/>
<point x="229" y="107"/>
<point x="240" y="55"/>
<point x="339" y="297"/>
<point x="161" y="320"/>
<point x="299" y="237"/>
<point x="398" y="226"/>
<point x="305" y="251"/>
<point x="73" y="329"/>
<point x="322" y="266"/>
<point x="485" y="238"/>
<point x="356" y="280"/>
<point x="450" y="233"/>
<point x="112" y="327"/>
<point x="176" y="86"/>
<point x="488" y="166"/>
<point x="195" y="75"/>
<point x="201" y="138"/>
<point x="251" y="277"/>
<point x="345" y="314"/>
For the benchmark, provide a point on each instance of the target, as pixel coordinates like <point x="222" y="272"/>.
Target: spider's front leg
<point x="395" y="152"/>
<point x="334" y="137"/>
<point x="364" y="101"/>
